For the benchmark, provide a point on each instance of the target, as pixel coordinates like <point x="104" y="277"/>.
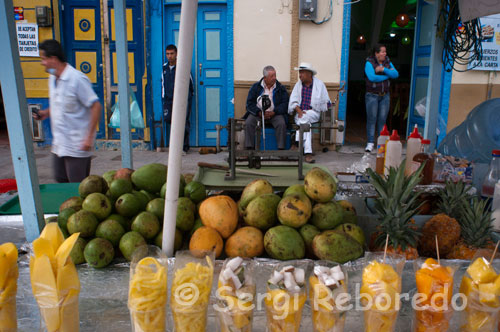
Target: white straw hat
<point x="306" y="66"/>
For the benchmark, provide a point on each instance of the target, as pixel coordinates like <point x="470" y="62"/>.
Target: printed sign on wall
<point x="490" y="26"/>
<point x="27" y="39"/>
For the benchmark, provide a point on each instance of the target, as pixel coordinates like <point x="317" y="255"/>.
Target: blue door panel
<point x="81" y="35"/>
<point x="135" y="46"/>
<point x="209" y="70"/>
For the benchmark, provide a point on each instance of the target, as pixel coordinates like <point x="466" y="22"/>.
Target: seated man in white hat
<point x="308" y="99"/>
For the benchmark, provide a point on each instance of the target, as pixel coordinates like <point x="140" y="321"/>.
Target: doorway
<point x="392" y="24"/>
<point x="209" y="70"/>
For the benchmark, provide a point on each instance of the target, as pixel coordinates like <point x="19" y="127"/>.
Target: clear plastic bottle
<point x="393" y="152"/>
<point x="413" y="146"/>
<point x="381" y="141"/>
<point x="419" y="158"/>
<point x="493" y="175"/>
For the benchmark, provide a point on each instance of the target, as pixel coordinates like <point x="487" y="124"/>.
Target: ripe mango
<point x="284" y="243"/>
<point x="319" y="185"/>
<point x="245" y="242"/>
<point x="294" y="210"/>
<point x="327" y="215"/>
<point x="252" y="190"/>
<point x="150" y="177"/>
<point x="262" y="211"/>
<point x="337" y="247"/>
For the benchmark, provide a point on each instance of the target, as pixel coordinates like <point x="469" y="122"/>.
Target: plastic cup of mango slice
<point x="8" y="287"/>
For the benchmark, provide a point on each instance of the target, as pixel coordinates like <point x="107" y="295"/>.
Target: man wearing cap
<point x="308" y="99"/>
<point x="267" y="100"/>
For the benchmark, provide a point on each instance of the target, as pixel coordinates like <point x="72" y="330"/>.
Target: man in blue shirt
<point x="167" y="82"/>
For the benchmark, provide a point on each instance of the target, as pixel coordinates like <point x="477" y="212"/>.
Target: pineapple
<point x="475" y="223"/>
<point x="396" y="205"/>
<point x="445" y="224"/>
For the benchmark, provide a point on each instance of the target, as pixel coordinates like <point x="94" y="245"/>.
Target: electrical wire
<point x="326" y="18"/>
<point x="462" y="41"/>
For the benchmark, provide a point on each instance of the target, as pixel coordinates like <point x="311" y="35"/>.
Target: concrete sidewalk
<point x="105" y="160"/>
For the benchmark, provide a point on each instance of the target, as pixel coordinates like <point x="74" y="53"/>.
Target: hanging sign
<point x="27" y="39"/>
<point x="490" y="28"/>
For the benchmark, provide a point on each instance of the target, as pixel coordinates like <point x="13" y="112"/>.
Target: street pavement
<point x="105" y="160"/>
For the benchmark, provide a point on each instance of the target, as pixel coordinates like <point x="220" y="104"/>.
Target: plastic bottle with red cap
<point x="413" y="146"/>
<point x="381" y="142"/>
<point x="393" y="152"/>
<point x="493" y="175"/>
<point x="424" y="156"/>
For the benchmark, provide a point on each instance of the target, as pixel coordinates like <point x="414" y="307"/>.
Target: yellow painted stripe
<point x="131" y="71"/>
<point x="36" y="88"/>
<point x="31" y="3"/>
<point x="33" y="70"/>
<point x="130" y="26"/>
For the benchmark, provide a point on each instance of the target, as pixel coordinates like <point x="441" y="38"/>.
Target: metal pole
<point x="18" y="125"/>
<point x="181" y="89"/>
<point x="123" y="79"/>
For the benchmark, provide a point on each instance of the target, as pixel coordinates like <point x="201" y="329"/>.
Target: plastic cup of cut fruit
<point x="435" y="289"/>
<point x="380" y="289"/>
<point x="147" y="299"/>
<point x="191" y="286"/>
<point x="284" y="305"/>
<point x="328" y="296"/>
<point x="236" y="295"/>
<point x="480" y="286"/>
<point x="8" y="316"/>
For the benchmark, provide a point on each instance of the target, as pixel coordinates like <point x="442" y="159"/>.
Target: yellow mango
<point x="467" y="286"/>
<point x="67" y="279"/>
<point x="4" y="270"/>
<point x="488" y="294"/>
<point x="53" y="233"/>
<point x="70" y="319"/>
<point x="241" y="319"/>
<point x="46" y="292"/>
<point x="43" y="247"/>
<point x="64" y="250"/>
<point x="9" y="291"/>
<point x="497" y="286"/>
<point x="10" y="251"/>
<point x="481" y="271"/>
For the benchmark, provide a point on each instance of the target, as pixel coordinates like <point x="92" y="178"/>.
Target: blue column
<point x="157" y="51"/>
<point x="123" y="79"/>
<point x="18" y="124"/>
<point x="434" y="88"/>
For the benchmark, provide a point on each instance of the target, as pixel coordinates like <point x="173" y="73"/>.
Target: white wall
<point x="262" y="36"/>
<point x="321" y="45"/>
<point x="474" y="77"/>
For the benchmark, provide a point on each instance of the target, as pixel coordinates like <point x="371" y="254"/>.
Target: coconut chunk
<point x="276" y="278"/>
<point x="338" y="275"/>
<point x="234" y="263"/>
<point x="236" y="281"/>
<point x="227" y="274"/>
<point x="288" y="268"/>
<point x="290" y="283"/>
<point x="299" y="275"/>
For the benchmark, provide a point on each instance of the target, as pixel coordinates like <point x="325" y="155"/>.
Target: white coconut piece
<point x="234" y="263"/>
<point x="227" y="274"/>
<point x="290" y="283"/>
<point x="335" y="269"/>
<point x="299" y="275"/>
<point x="236" y="281"/>
<point x="276" y="278"/>
<point x="338" y="275"/>
<point x="329" y="281"/>
<point x="288" y="268"/>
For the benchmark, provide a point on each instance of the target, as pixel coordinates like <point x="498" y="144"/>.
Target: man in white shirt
<point x="74" y="111"/>
<point x="308" y="99"/>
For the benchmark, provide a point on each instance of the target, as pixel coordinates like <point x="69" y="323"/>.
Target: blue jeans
<point x="377" y="108"/>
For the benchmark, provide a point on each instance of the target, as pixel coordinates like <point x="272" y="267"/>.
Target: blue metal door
<point x="209" y="70"/>
<point x="81" y="37"/>
<point x="421" y="64"/>
<point x="135" y="37"/>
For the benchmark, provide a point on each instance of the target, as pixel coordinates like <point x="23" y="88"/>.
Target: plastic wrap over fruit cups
<point x="328" y="295"/>
<point x="54" y="280"/>
<point x="8" y="287"/>
<point x="190" y="292"/>
<point x="147" y="297"/>
<point x="286" y="295"/>
<point x="236" y="295"/>
<point x="380" y="290"/>
<point x="435" y="291"/>
<point x="481" y="286"/>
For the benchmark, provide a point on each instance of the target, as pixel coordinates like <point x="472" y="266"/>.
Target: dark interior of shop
<point x="391" y="23"/>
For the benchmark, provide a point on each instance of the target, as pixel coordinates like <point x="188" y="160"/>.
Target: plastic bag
<point x="136" y="120"/>
<point x="421" y="107"/>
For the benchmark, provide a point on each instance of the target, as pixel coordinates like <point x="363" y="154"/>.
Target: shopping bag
<point x="136" y="120"/>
